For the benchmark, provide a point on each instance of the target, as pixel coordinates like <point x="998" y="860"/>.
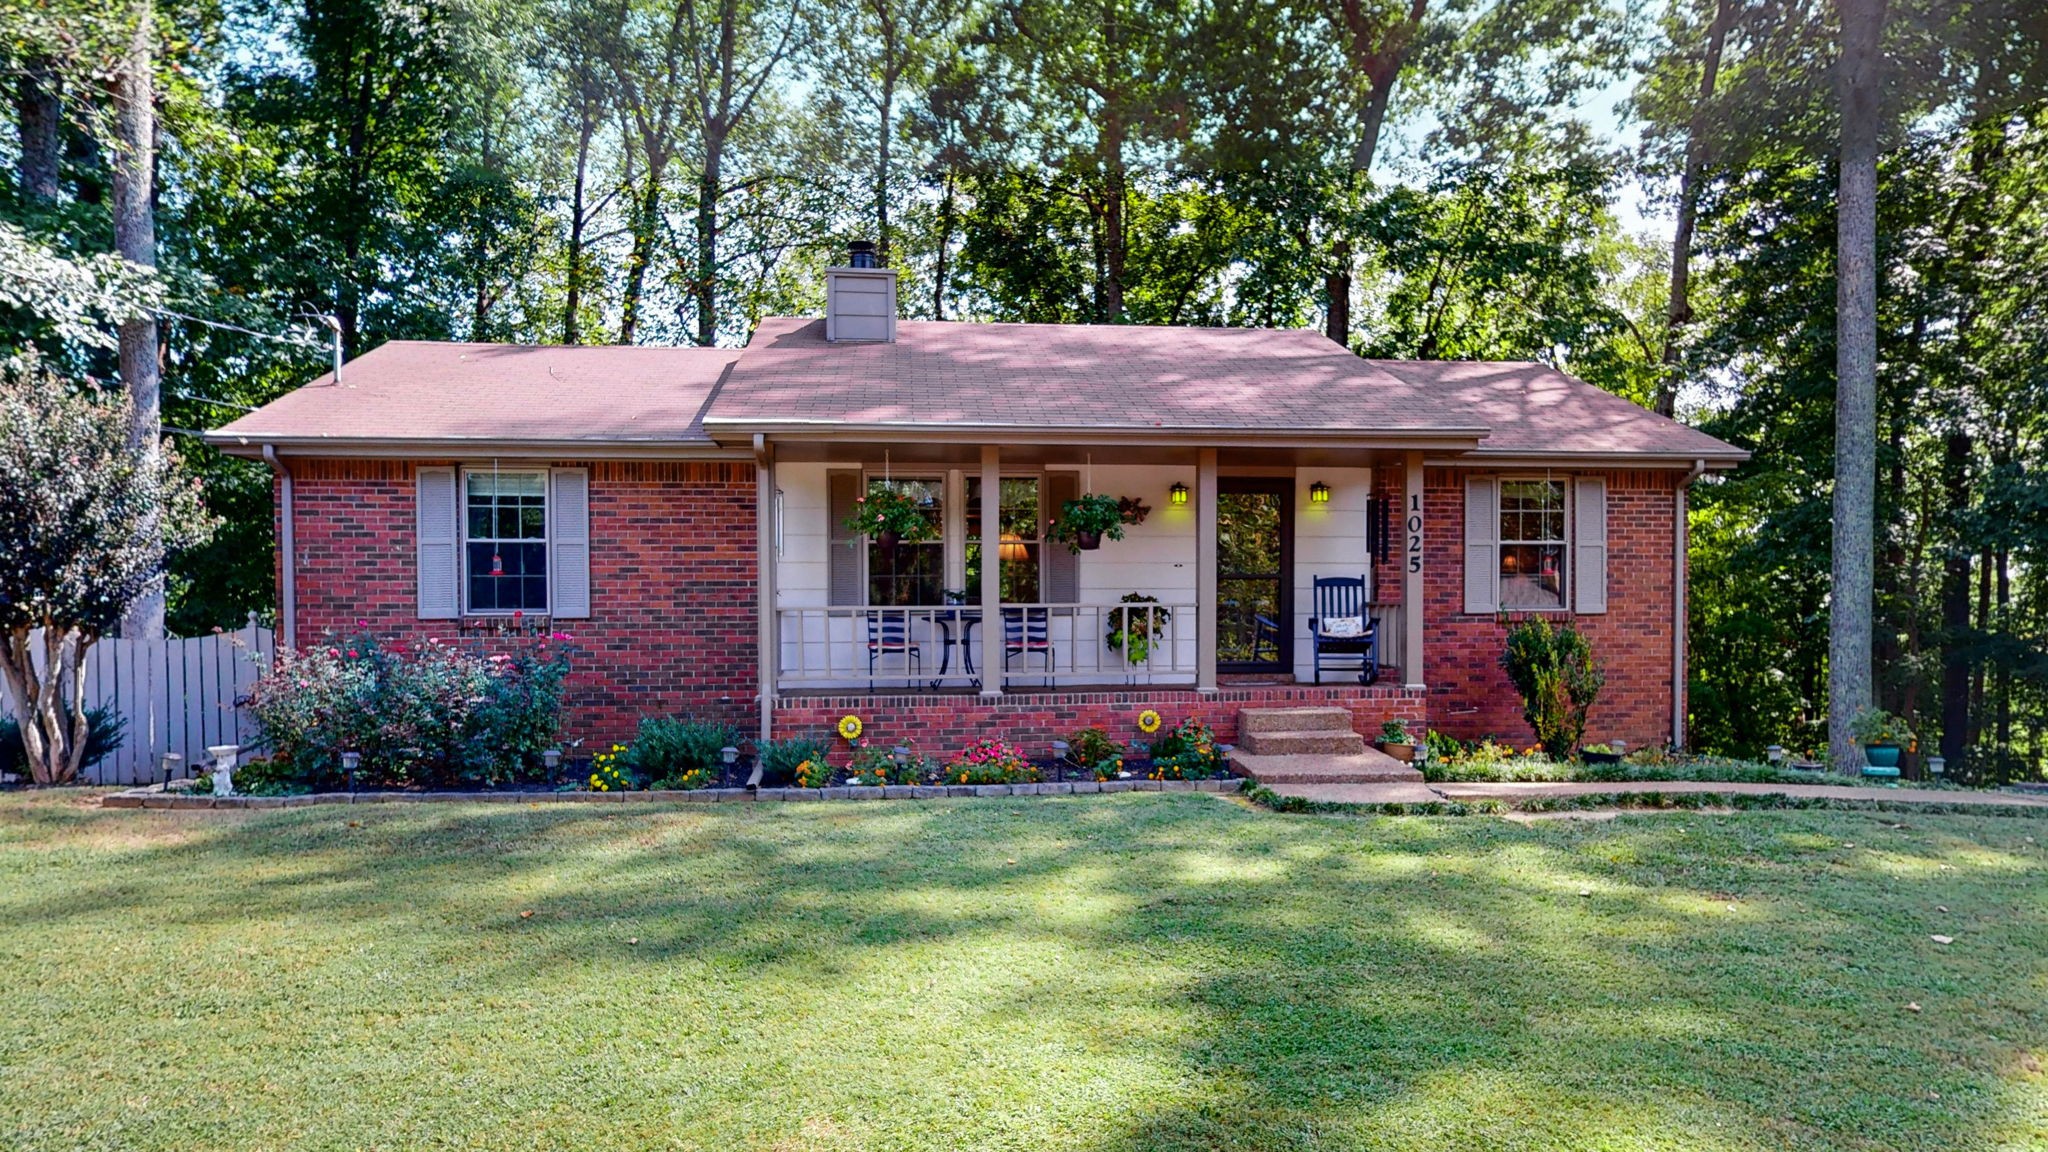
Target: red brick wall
<point x="1469" y="694"/>
<point x="942" y="725"/>
<point x="673" y="624"/>
<point x="672" y="572"/>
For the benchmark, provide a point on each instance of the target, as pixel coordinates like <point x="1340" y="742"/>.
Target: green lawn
<point x="1135" y="971"/>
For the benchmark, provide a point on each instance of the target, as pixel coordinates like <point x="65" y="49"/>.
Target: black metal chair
<point x="1343" y="598"/>
<point x="1027" y="631"/>
<point x="890" y="636"/>
<point x="1265" y="638"/>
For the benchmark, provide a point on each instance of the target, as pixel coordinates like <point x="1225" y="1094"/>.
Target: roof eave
<point x="1420" y="439"/>
<point x="1717" y="461"/>
<point x="250" y="445"/>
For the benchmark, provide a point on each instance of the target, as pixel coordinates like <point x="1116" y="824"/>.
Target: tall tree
<point x="1859" y="74"/>
<point x="1678" y="305"/>
<point x="135" y="240"/>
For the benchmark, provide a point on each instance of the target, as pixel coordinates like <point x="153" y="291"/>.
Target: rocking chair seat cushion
<point x="1344" y="627"/>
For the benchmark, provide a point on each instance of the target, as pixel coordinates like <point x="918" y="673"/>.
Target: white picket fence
<point x="176" y="696"/>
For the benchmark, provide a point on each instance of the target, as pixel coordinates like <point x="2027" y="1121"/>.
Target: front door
<point x="1254" y="575"/>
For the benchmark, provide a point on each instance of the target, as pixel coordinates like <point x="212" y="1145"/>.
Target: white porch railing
<point x="1393" y="633"/>
<point x="876" y="647"/>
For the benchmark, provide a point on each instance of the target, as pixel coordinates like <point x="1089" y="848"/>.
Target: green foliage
<point x="1877" y="726"/>
<point x="1187" y="751"/>
<point x="1553" y="671"/>
<point x="780" y="759"/>
<point x="1093" y="513"/>
<point x="885" y="509"/>
<point x="1395" y="731"/>
<point x="433" y="715"/>
<point x="815" y="772"/>
<point x="874" y="765"/>
<point x="1091" y="746"/>
<point x="1132" y="630"/>
<point x="104" y="731"/>
<point x="675" y="753"/>
<point x="610" y="772"/>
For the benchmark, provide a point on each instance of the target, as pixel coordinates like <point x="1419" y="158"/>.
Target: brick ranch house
<point x="651" y="501"/>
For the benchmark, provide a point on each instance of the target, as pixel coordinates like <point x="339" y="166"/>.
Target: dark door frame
<point x="1283" y="487"/>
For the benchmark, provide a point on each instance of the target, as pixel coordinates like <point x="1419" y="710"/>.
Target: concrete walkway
<point x="1420" y="793"/>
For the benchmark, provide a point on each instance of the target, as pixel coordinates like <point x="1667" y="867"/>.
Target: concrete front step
<point x="1367" y="767"/>
<point x="1258" y="720"/>
<point x="1318" y="742"/>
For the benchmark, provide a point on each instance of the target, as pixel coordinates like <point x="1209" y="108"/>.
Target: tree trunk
<point x="706" y="287"/>
<point x="887" y="105"/>
<point x="573" y="302"/>
<point x="1115" y="187"/>
<point x="1377" y="52"/>
<point x="39" y="116"/>
<point x="1850" y="604"/>
<point x="135" y="240"/>
<point x="1955" y="605"/>
<point x="1678" y="312"/>
<point x="645" y="214"/>
<point x="946" y="216"/>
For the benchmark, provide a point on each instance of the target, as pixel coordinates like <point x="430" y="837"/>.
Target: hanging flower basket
<point x="1084" y="522"/>
<point x="891" y="518"/>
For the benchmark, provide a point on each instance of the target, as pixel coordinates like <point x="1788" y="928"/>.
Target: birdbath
<point x="224" y="756"/>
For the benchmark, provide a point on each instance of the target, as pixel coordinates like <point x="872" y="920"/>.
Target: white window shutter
<point x="1482" y="545"/>
<point x="1589" y="543"/>
<point x="569" y="542"/>
<point x="437" y="533"/>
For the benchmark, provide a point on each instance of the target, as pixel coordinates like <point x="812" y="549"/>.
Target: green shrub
<point x="1553" y="671"/>
<point x="1092" y="746"/>
<point x="781" y="758"/>
<point x="1395" y="731"/>
<point x="104" y="731"/>
<point x="675" y="753"/>
<point x="432" y="715"/>
<point x="1187" y="752"/>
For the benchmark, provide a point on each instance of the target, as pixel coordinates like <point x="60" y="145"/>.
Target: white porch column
<point x="1205" y="571"/>
<point x="991" y="571"/>
<point x="1411" y="576"/>
<point x="764" y="580"/>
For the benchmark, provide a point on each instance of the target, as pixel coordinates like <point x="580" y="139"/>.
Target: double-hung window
<point x="1018" y="546"/>
<point x="1532" y="545"/>
<point x="903" y="573"/>
<point x="505" y="541"/>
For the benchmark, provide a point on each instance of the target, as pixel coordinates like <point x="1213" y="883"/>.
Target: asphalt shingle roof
<point x="1150" y="381"/>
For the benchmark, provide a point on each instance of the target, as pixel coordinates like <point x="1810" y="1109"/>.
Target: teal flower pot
<point x="1882" y="755"/>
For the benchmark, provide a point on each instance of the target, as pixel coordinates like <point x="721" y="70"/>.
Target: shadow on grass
<point x="1235" y="978"/>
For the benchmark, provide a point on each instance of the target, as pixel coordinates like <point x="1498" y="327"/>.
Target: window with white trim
<point x="1532" y="545"/>
<point x="505" y="541"/>
<point x="905" y="573"/>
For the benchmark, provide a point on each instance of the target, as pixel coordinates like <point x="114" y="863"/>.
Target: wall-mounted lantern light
<point x="1178" y="493"/>
<point x="1319" y="493"/>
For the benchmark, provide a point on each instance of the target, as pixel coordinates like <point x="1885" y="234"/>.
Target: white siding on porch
<point x="1329" y="540"/>
<point x="1156" y="558"/>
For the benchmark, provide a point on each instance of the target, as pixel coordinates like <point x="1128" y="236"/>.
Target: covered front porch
<point x="1205" y="604"/>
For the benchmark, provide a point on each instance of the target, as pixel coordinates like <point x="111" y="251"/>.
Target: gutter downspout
<point x="288" y="597"/>
<point x="1680" y="578"/>
<point x="765" y="600"/>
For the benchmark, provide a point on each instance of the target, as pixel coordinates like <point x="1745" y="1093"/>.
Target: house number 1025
<point x="1415" y="532"/>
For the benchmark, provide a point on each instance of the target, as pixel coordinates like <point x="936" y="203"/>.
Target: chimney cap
<point x="861" y="254"/>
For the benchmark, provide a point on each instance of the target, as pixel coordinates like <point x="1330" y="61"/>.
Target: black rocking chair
<point x="1339" y="599"/>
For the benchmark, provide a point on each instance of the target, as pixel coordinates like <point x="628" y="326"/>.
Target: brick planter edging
<point x="154" y="797"/>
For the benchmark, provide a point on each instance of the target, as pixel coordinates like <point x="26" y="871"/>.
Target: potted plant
<point x="1084" y="522"/>
<point x="1396" y="742"/>
<point x="1882" y="735"/>
<point x="1129" y="632"/>
<point x="890" y="517"/>
<point x="1600" y="754"/>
